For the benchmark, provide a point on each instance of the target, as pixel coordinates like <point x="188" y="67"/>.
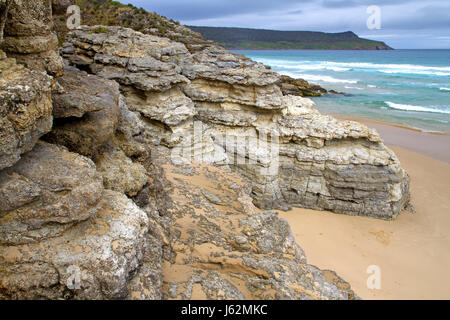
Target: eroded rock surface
<point x="92" y="260"/>
<point x="29" y="37"/>
<point x="26" y="109"/>
<point x="87" y="112"/>
<point x="220" y="246"/>
<point x="166" y="123"/>
<point x="318" y="163"/>
<point x="45" y="193"/>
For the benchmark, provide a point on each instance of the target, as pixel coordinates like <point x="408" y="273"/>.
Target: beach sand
<point x="413" y="251"/>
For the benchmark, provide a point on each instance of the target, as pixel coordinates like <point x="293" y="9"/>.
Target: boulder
<point x="45" y="193"/>
<point x="92" y="260"/>
<point x="99" y="110"/>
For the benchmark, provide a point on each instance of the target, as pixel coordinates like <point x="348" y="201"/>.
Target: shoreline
<point x="383" y="122"/>
<point x="412" y="252"/>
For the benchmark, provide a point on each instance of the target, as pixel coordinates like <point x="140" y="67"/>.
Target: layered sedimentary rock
<point x="292" y="155"/>
<point x="29" y="38"/>
<point x="92" y="260"/>
<point x="26" y="109"/>
<point x="116" y="207"/>
<point x="62" y="235"/>
<point x="218" y="245"/>
<point x="45" y="193"/>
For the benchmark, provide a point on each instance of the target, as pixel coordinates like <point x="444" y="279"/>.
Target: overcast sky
<point x="404" y="23"/>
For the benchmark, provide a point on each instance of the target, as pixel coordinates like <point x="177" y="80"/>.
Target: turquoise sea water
<point x="408" y="87"/>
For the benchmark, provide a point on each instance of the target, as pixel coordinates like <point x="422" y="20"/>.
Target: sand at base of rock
<point x="413" y="252"/>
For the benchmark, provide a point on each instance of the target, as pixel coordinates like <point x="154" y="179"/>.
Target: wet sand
<point x="413" y="252"/>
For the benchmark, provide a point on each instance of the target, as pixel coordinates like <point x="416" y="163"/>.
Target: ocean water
<point x="408" y="87"/>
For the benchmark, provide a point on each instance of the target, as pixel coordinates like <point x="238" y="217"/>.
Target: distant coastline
<point x="262" y="39"/>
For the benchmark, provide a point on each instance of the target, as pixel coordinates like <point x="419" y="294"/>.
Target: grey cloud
<point x="402" y="17"/>
<point x="209" y="9"/>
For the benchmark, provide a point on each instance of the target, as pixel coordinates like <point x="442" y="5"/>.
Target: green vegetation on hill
<point x="114" y="13"/>
<point x="241" y="38"/>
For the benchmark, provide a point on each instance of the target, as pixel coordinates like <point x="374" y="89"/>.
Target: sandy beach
<point x="413" y="252"/>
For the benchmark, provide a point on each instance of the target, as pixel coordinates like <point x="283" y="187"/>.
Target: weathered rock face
<point x="190" y="230"/>
<point x="219" y="246"/>
<point x="86" y="112"/>
<point x="308" y="160"/>
<point x="29" y="38"/>
<point x="60" y="6"/>
<point x="92" y="260"/>
<point x="62" y="235"/>
<point x="120" y="173"/>
<point x="26" y="110"/>
<point x="45" y="193"/>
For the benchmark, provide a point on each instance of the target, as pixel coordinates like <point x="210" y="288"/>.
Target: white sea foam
<point x="408" y="71"/>
<point x="302" y="66"/>
<point x="444" y="89"/>
<point x="356" y="88"/>
<point x="396" y="68"/>
<point x="371" y="86"/>
<point x="347" y="66"/>
<point x="319" y="78"/>
<point x="408" y="107"/>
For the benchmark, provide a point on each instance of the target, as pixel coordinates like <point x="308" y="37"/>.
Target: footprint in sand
<point x="382" y="236"/>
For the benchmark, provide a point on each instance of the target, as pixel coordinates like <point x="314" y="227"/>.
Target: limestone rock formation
<point x="29" y="37"/>
<point x="92" y="260"/>
<point x="219" y="246"/>
<point x="45" y="193"/>
<point x="292" y="155"/>
<point x="132" y="195"/>
<point x="86" y="112"/>
<point x="26" y="109"/>
<point x="120" y="173"/>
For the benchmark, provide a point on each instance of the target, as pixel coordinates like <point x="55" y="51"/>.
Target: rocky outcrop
<point x="228" y="249"/>
<point x="26" y="109"/>
<point x="302" y="88"/>
<point x="92" y="260"/>
<point x="86" y="112"/>
<point x="45" y="193"/>
<point x="29" y="37"/>
<point x="219" y="246"/>
<point x="132" y="194"/>
<point x="296" y="156"/>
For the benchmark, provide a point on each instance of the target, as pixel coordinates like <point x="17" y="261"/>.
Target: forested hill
<point x="242" y="38"/>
